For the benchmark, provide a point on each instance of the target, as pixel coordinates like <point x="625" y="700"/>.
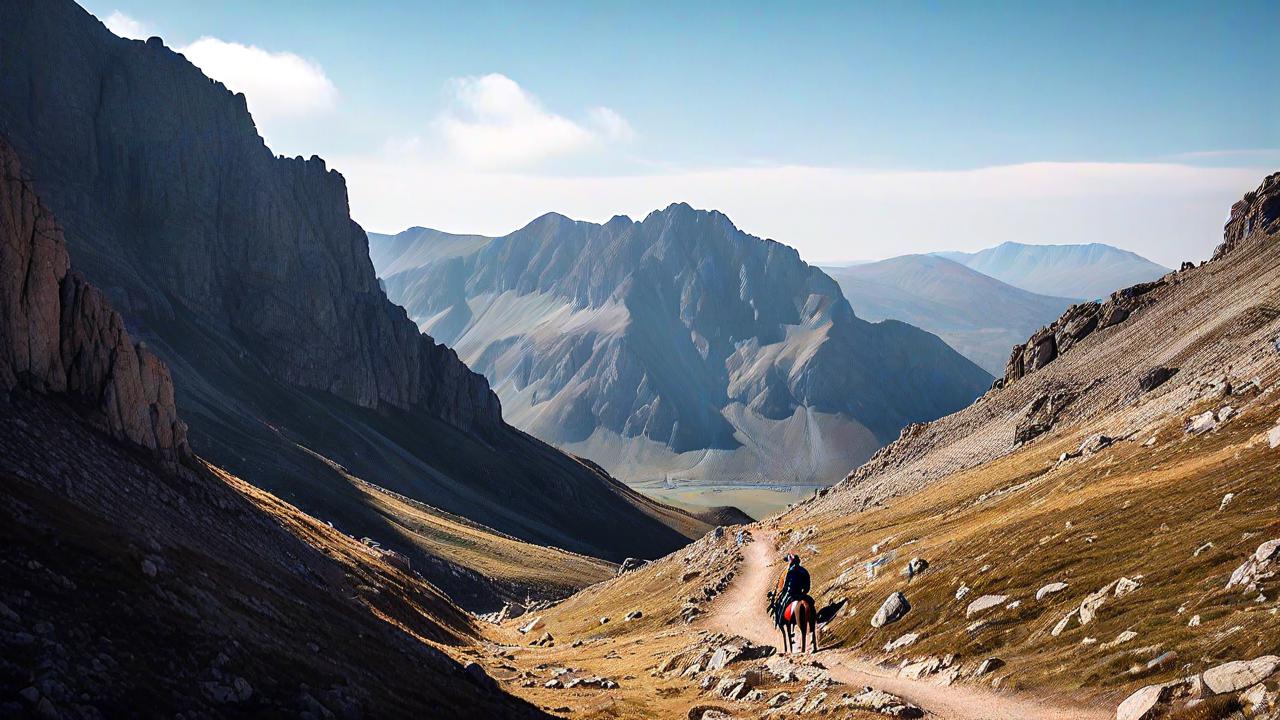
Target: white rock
<point x="1194" y="621"/>
<point x="891" y="610"/>
<point x="1273" y="437"/>
<point x="1269" y="550"/>
<point x="1062" y="624"/>
<point x="901" y="642"/>
<point x="1142" y="704"/>
<point x="532" y="625"/>
<point x="986" y="602"/>
<point x="1226" y="500"/>
<point x="1124" y="585"/>
<point x="964" y="590"/>
<point x="1051" y="588"/>
<point x="989" y="665"/>
<point x="1013" y="605"/>
<point x="1238" y="675"/>
<point x="1225" y="413"/>
<point x="1201" y="423"/>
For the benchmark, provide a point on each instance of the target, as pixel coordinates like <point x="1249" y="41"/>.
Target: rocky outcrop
<point x="1257" y="212"/>
<point x="59" y="335"/>
<point x="1077" y="323"/>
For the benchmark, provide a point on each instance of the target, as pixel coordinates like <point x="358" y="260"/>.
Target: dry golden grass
<point x="1132" y="510"/>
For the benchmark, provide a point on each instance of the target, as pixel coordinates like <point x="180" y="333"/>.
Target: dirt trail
<point x="740" y="610"/>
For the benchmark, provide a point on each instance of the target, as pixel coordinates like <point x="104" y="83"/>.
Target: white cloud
<point x="1168" y="212"/>
<point x="276" y="85"/>
<point x="494" y="123"/>
<point x="126" y="27"/>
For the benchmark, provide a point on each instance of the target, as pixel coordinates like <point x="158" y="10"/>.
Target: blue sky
<point x="850" y="130"/>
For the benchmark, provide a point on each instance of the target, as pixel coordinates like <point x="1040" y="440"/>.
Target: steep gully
<point x="739" y="611"/>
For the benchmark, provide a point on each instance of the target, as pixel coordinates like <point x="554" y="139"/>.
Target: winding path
<point x="739" y="611"/>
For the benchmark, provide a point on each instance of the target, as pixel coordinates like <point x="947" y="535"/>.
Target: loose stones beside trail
<point x="878" y="701"/>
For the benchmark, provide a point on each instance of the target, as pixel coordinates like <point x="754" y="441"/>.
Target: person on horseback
<point x="793" y="585"/>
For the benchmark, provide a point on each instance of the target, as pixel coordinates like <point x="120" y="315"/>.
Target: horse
<point x="799" y="613"/>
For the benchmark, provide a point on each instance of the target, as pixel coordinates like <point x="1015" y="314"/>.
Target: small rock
<point x="1225" y="413"/>
<point x="1051" y="588"/>
<point x="901" y="642"/>
<point x="1226" y="500"/>
<point x="960" y="593"/>
<point x="532" y="625"/>
<point x="1202" y="423"/>
<point x="631" y="564"/>
<point x="633" y="615"/>
<point x="1194" y="621"/>
<point x="149" y="568"/>
<point x="985" y="602"/>
<point x="1273" y="437"/>
<point x="988" y="666"/>
<point x="604" y="620"/>
<point x="1124" y="586"/>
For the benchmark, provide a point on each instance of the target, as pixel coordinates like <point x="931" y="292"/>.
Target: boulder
<point x="915" y="566"/>
<point x="893" y="609"/>
<point x="1202" y="423"/>
<point x="1238" y="675"/>
<point x="988" y="666"/>
<point x="1155" y="377"/>
<point x="986" y="602"/>
<point x="532" y="625"/>
<point x="631" y="564"/>
<point x="1273" y="437"/>
<point x="1263" y="564"/>
<point x="1051" y="588"/>
<point x="633" y="615"/>
<point x="1143" y="704"/>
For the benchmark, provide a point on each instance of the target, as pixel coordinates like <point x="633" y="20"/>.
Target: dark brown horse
<point x="800" y="613"/>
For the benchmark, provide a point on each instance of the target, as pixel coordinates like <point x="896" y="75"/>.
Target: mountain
<point x="136" y="576"/>
<point x="674" y="350"/>
<point x="977" y="315"/>
<point x="1075" y="271"/>
<point x="245" y="273"/>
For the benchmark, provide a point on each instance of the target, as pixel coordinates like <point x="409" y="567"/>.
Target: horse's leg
<point x="804" y="624"/>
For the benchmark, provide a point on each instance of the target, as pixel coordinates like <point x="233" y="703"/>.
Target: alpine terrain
<point x="676" y="350"/>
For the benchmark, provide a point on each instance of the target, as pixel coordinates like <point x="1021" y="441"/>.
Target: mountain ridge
<point x="978" y="315"/>
<point x="1085" y="271"/>
<point x="581" y="327"/>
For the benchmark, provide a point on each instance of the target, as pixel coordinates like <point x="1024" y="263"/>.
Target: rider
<point x="793" y="585"/>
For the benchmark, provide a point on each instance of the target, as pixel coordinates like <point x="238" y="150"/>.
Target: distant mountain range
<point x="981" y="317"/>
<point x="677" y="348"/>
<point x="1085" y="272"/>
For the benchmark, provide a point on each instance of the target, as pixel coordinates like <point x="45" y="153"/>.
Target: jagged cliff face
<point x="172" y="198"/>
<point x="58" y="334"/>
<point x="678" y="335"/>
<point x="245" y="273"/>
